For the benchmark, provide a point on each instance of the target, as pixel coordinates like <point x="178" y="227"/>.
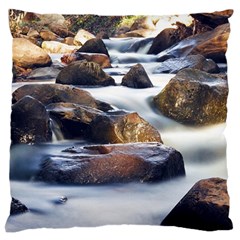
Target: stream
<point x="203" y="150"/>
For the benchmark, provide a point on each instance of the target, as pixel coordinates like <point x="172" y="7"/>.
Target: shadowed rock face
<point x="53" y="93"/>
<point x="137" y="78"/>
<point x="17" y="207"/>
<point x="84" y="73"/>
<point x="116" y="163"/>
<point x="111" y="127"/>
<point x="194" y="97"/>
<point x="30" y="122"/>
<point x="204" y="207"/>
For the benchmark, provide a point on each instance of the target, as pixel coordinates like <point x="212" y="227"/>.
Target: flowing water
<point x="58" y="206"/>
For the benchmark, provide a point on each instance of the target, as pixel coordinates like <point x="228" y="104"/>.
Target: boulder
<point x="165" y="39"/>
<point x="47" y="35"/>
<point x="137" y="78"/>
<point x="68" y="40"/>
<point x="77" y="121"/>
<point x="211" y="44"/>
<point x="60" y="29"/>
<point x="82" y="36"/>
<point x="213" y="19"/>
<point x="17" y="207"/>
<point x="204" y="207"/>
<point x="102" y="35"/>
<point x="198" y="61"/>
<point x="28" y="55"/>
<point x="30" y="122"/>
<point x="33" y="33"/>
<point x="194" y="97"/>
<point x="53" y="93"/>
<point x="101" y="59"/>
<point x="84" y="73"/>
<point x="57" y="47"/>
<point x="123" y="127"/>
<point x="94" y="45"/>
<point x="74" y="120"/>
<point x="115" y="163"/>
<point x="168" y="37"/>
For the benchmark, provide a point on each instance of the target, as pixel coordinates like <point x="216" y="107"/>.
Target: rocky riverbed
<point x="140" y="113"/>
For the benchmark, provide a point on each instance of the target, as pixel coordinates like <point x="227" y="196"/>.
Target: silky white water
<point x="203" y="150"/>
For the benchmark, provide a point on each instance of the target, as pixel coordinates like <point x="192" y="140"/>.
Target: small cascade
<point x="57" y="134"/>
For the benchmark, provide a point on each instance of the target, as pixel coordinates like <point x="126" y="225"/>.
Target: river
<point x="60" y="206"/>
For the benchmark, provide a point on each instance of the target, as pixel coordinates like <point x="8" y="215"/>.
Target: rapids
<point x="203" y="150"/>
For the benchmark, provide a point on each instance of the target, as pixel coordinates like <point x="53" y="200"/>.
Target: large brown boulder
<point x="137" y="78"/>
<point x="84" y="73"/>
<point x="95" y="45"/>
<point x="48" y="35"/>
<point x="115" y="163"/>
<point x="58" y="28"/>
<point x="174" y="65"/>
<point x="213" y="19"/>
<point x="53" y="93"/>
<point x="194" y="97"/>
<point x="28" y="55"/>
<point x="123" y="127"/>
<point x="204" y="207"/>
<point x="210" y="44"/>
<point x="30" y="122"/>
<point x="78" y="121"/>
<point x="99" y="58"/>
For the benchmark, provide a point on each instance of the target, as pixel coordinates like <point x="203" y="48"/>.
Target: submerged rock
<point x="17" y="207"/>
<point x="194" y="97"/>
<point x="115" y="163"/>
<point x="198" y="61"/>
<point x="204" y="207"/>
<point x="137" y="78"/>
<point x="53" y="93"/>
<point x="30" y="122"/>
<point x="28" y="55"/>
<point x="84" y="73"/>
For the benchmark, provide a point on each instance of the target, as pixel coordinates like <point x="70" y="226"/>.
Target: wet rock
<point x="198" y="61"/>
<point x="17" y="207"/>
<point x="57" y="47"/>
<point x="53" y="93"/>
<point x="211" y="44"/>
<point x="78" y="121"/>
<point x="44" y="73"/>
<point x="101" y="59"/>
<point x="213" y="19"/>
<point x="28" y="55"/>
<point x="168" y="37"/>
<point x="82" y="36"/>
<point x="204" y="207"/>
<point x="165" y="39"/>
<point x="123" y="127"/>
<point x="30" y="122"/>
<point x="194" y="97"/>
<point x="74" y="120"/>
<point x="94" y="45"/>
<point x="137" y="78"/>
<point x="115" y="163"/>
<point x="84" y="73"/>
